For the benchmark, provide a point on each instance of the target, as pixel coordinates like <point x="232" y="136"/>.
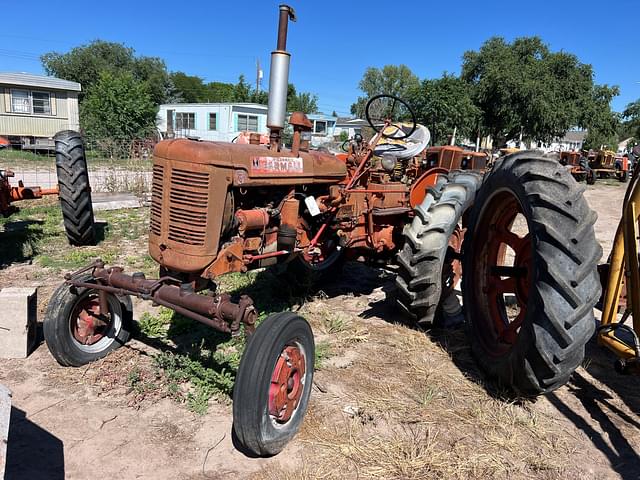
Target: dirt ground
<point x="388" y="402"/>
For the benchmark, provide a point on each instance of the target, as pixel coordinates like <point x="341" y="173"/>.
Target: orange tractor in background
<point x="591" y="165"/>
<point x="10" y="194"/>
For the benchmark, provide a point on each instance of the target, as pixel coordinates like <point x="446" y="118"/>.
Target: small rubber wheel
<point x="77" y="332"/>
<point x="74" y="189"/>
<point x="273" y="384"/>
<point x="591" y="177"/>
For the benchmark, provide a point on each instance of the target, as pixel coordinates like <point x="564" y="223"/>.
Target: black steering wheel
<point x="389" y="110"/>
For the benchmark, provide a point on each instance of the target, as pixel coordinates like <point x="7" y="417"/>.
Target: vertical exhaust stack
<point x="279" y="78"/>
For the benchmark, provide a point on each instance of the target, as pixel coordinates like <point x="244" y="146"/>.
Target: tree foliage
<point x="118" y="107"/>
<point x="301" y="102"/>
<point x="445" y="104"/>
<point x="524" y="87"/>
<point x="630" y="127"/>
<point x="600" y="121"/>
<point x="192" y="89"/>
<point x="86" y="63"/>
<point x="396" y="80"/>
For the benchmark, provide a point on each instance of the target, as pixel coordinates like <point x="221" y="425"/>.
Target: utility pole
<point x="259" y="75"/>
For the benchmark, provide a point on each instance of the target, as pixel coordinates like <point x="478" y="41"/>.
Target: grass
<point x="201" y="381"/>
<point x="36" y="234"/>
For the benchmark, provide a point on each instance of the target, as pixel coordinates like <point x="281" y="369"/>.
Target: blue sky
<point x="332" y="42"/>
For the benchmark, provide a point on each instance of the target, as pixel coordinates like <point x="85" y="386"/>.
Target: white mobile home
<point x="33" y="108"/>
<point x="211" y="121"/>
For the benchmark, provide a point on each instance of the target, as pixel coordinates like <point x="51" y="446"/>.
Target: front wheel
<point x="530" y="274"/>
<point x="273" y="384"/>
<point x="75" y="329"/>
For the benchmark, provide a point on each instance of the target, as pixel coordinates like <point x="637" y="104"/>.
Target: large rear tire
<point x="530" y="274"/>
<point x="75" y="192"/>
<point x="273" y="384"/>
<point x="420" y="282"/>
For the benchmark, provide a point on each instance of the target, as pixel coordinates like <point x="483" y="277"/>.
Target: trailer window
<point x="320" y="127"/>
<point x="41" y="103"/>
<point x="20" y="102"/>
<point x="247" y="123"/>
<point x="213" y="121"/>
<point x="185" y="121"/>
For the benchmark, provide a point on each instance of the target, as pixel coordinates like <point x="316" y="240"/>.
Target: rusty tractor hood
<point x="255" y="164"/>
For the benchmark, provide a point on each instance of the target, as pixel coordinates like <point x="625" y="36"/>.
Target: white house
<point x="33" y="108"/>
<point x="351" y="126"/>
<point x="211" y="121"/>
<point x="572" y="140"/>
<point x="323" y="129"/>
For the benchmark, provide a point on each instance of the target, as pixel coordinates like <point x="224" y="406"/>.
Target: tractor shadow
<point x="608" y="426"/>
<point x="19" y="241"/>
<point x="592" y="405"/>
<point x="32" y="452"/>
<point x="451" y="338"/>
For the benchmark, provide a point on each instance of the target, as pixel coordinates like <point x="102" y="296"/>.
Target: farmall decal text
<point x="279" y="165"/>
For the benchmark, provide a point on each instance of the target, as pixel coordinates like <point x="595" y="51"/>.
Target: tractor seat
<point x="404" y="148"/>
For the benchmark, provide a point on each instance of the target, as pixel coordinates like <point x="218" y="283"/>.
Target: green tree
<point x="444" y="104"/>
<point x="85" y="64"/>
<point x="304" y="102"/>
<point x="118" y="107"/>
<point x="601" y="122"/>
<point x="189" y="88"/>
<point x="242" y="90"/>
<point x="524" y="87"/>
<point x="216" y="92"/>
<point x="396" y="80"/>
<point x="631" y="124"/>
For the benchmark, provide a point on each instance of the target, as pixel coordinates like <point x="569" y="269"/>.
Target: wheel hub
<point x="507" y="274"/>
<point x="89" y="326"/>
<point x="287" y="385"/>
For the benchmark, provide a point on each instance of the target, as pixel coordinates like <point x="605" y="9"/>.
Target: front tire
<point x="273" y="384"/>
<point x="74" y="329"/>
<point x="530" y="274"/>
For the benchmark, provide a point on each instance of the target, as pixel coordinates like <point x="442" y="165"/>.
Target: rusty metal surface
<point x="217" y="311"/>
<point x="9" y="194"/>
<point x="191" y="180"/>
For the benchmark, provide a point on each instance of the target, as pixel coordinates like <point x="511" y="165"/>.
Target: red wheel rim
<point x="452" y="268"/>
<point x="504" y="268"/>
<point x="287" y="384"/>
<point x="88" y="326"/>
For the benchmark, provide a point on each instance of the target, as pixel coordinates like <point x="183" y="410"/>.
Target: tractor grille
<point x="156" y="199"/>
<point x="188" y="200"/>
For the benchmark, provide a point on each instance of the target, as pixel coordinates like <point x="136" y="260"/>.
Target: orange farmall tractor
<point x="223" y="207"/>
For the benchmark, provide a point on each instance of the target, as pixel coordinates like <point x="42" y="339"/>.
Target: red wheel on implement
<point x="273" y="384"/>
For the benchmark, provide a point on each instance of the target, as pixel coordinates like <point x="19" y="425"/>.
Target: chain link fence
<point x="114" y="166"/>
